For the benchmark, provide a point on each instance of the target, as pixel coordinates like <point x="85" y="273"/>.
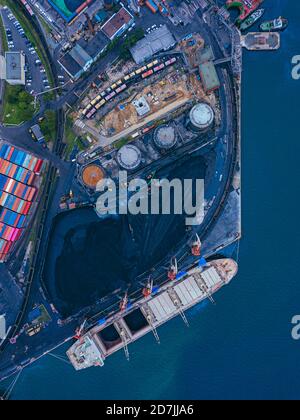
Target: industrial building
<point x="118" y="24"/>
<point x="37" y="134"/>
<point x="69" y="12"/>
<point x="156" y="41"/>
<point x="18" y="171"/>
<point x="80" y="58"/>
<point x="15" y="68"/>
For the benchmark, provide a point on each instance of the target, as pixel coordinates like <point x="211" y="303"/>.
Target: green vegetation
<point x="129" y="42"/>
<point x="70" y="138"/>
<point x="122" y="142"/>
<point x="3" y="35"/>
<point x="48" y="126"/>
<point x="18" y="105"/>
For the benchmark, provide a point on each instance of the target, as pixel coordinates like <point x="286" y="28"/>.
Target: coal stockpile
<point x="89" y="258"/>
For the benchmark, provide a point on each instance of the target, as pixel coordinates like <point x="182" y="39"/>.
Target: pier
<point x="258" y="41"/>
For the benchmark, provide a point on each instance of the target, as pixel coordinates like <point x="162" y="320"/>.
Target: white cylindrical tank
<point x="201" y="116"/>
<point x="129" y="157"/>
<point x="165" y="137"/>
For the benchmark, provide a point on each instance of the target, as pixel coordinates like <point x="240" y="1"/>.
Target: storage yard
<point x="19" y="172"/>
<point x="163" y="85"/>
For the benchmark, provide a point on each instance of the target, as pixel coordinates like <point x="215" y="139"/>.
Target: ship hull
<point x="251" y="20"/>
<point x="270" y="26"/>
<point x="173" y="299"/>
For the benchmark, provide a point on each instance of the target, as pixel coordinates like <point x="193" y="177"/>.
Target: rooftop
<point x="95" y="46"/>
<point x="79" y="55"/>
<point x="15" y="70"/>
<point x="209" y="76"/>
<point x="70" y="64"/>
<point x="159" y="40"/>
<point x="116" y="22"/>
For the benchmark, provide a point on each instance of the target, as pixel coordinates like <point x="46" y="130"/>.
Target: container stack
<point x="18" y="171"/>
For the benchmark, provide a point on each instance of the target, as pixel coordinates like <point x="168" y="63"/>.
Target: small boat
<point x="279" y="24"/>
<point x="252" y="19"/>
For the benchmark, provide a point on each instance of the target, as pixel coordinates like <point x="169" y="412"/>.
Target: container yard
<point x="18" y="173"/>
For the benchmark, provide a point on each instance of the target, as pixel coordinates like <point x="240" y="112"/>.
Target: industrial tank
<point x="165" y="137"/>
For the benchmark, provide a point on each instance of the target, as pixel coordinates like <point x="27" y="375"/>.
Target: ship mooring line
<point x="60" y="358"/>
<point x="11" y="387"/>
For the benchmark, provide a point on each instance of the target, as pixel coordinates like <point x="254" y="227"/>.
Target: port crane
<point x="196" y="246"/>
<point x="149" y="318"/>
<point x="147" y="290"/>
<point x="177" y="304"/>
<point x="124" y="302"/>
<point x="173" y="269"/>
<point x="79" y="330"/>
<point x="204" y="288"/>
<point x="125" y="345"/>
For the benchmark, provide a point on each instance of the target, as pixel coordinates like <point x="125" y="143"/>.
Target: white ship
<point x="132" y="322"/>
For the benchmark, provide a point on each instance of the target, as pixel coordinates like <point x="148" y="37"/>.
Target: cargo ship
<point x="252" y="19"/>
<point x="157" y="306"/>
<point x="279" y="24"/>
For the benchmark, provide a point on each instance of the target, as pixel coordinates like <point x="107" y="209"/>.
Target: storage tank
<point x="201" y="117"/>
<point x="91" y="175"/>
<point x="165" y="137"/>
<point x="129" y="157"/>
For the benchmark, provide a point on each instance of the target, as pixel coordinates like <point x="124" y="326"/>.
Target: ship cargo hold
<point x="150" y="312"/>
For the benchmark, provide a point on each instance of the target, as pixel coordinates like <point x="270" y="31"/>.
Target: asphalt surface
<point x="34" y="77"/>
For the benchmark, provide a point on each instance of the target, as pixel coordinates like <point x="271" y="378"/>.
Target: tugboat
<point x="279" y="24"/>
<point x="252" y="19"/>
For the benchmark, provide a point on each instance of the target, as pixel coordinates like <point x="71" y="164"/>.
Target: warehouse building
<point x="80" y="58"/>
<point x="118" y="24"/>
<point x="15" y="68"/>
<point x="156" y="41"/>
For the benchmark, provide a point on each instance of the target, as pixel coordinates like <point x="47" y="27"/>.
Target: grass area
<point x="70" y="138"/>
<point x="120" y="143"/>
<point x="129" y="42"/>
<point x="18" y="105"/>
<point x="3" y="35"/>
<point x="31" y="34"/>
<point x="48" y="126"/>
<point x="45" y="25"/>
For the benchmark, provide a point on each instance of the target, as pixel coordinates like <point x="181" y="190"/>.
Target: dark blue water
<point x="242" y="348"/>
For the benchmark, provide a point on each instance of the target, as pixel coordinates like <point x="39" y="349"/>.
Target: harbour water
<point x="242" y="347"/>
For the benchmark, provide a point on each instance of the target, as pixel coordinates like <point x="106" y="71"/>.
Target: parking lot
<point x="36" y="77"/>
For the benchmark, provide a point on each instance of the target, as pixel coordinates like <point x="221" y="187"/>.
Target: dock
<point x="259" y="41"/>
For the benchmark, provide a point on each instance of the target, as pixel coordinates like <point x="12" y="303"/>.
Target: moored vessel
<point x="156" y="307"/>
<point x="279" y="24"/>
<point x="252" y="19"/>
